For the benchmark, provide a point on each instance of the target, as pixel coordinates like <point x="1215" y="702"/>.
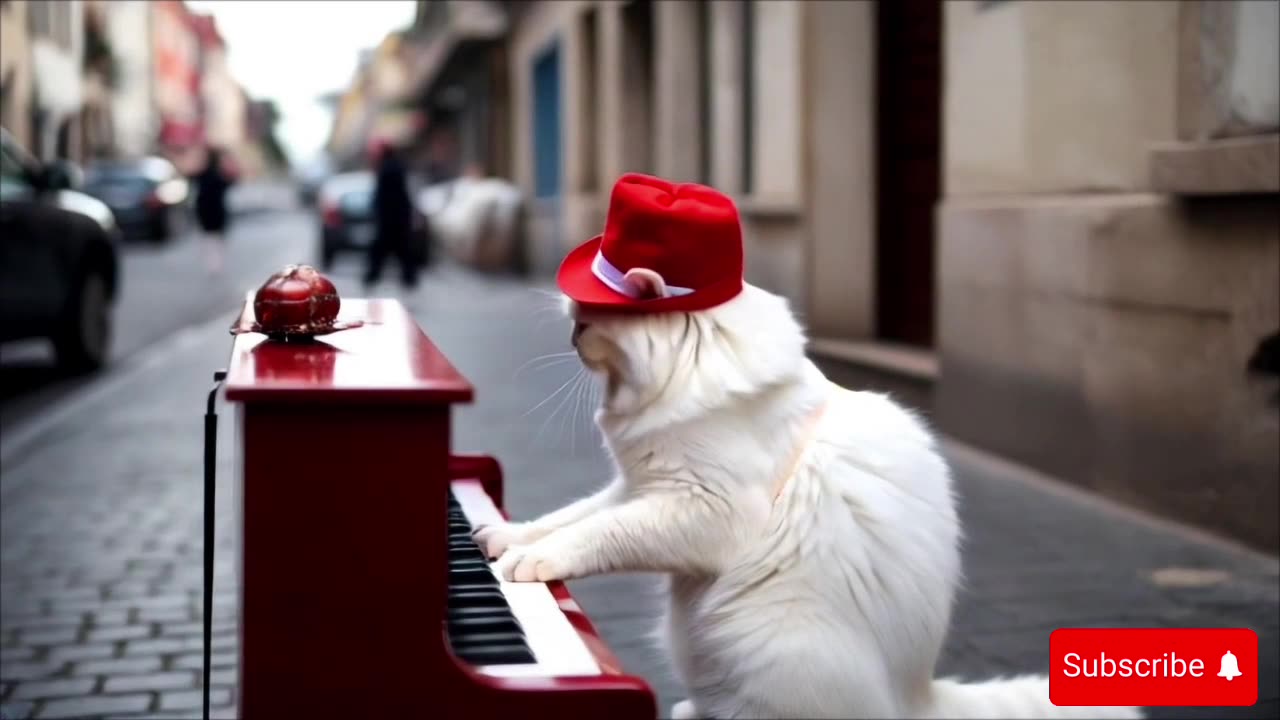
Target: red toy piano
<point x="362" y="594"/>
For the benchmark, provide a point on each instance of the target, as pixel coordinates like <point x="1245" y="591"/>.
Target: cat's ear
<point x="647" y="284"/>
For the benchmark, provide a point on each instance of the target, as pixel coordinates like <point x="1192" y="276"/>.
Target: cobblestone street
<point x="101" y="518"/>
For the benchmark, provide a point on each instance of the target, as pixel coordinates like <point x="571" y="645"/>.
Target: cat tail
<point x="1018" y="697"/>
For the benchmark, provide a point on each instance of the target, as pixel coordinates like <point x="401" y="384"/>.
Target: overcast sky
<point x="293" y="52"/>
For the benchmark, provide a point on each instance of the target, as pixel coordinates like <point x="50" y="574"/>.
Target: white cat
<point x="809" y="532"/>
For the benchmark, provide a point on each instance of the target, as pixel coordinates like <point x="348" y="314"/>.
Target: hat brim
<point x="582" y="286"/>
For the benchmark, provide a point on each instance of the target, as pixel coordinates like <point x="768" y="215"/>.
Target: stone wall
<point x="1091" y="326"/>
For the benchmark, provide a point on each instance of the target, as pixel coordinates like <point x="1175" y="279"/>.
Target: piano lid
<point x="388" y="360"/>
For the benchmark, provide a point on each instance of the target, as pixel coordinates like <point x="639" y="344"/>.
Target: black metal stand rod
<point x="210" y="484"/>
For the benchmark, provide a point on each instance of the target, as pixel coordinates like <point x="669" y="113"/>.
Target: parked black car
<point x="150" y="198"/>
<point x="58" y="261"/>
<point x="346" y="215"/>
<point x="347" y="223"/>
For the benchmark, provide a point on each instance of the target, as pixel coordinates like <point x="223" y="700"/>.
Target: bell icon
<point x="1230" y="670"/>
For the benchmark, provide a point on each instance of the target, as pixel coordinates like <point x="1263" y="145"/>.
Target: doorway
<point x="638" y="96"/>
<point x="908" y="175"/>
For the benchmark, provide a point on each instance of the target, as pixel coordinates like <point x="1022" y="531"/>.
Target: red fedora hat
<point x="687" y="234"/>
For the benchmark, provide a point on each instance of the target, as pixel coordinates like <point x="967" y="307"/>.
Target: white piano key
<point x="557" y="647"/>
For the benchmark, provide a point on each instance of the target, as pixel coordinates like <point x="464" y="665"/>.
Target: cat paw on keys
<point x="495" y="539"/>
<point x="539" y="562"/>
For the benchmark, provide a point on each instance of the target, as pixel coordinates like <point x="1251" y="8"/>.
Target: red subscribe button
<point x="1153" y="667"/>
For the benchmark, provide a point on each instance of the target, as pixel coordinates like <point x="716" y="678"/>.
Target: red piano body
<point x="344" y="476"/>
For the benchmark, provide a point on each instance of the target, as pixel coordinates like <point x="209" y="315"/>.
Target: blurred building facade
<point x="460" y="85"/>
<point x="97" y="82"/>
<point x="348" y="134"/>
<point x="228" y="119"/>
<point x="1050" y="226"/>
<point x="262" y="154"/>
<point x="16" y="75"/>
<point x="438" y="89"/>
<point x="92" y="79"/>
<point x="56" y="46"/>
<point x="61" y="75"/>
<point x="177" y="68"/>
<point x="375" y="108"/>
<point x="1108" y="248"/>
<point x="133" y="118"/>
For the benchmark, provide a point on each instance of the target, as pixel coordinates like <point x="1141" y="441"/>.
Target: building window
<point x="748" y="96"/>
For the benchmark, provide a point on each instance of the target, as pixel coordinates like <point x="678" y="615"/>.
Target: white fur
<point x="832" y="601"/>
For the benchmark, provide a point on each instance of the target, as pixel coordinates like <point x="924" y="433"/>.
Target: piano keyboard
<point x="503" y="628"/>
<point x="482" y="628"/>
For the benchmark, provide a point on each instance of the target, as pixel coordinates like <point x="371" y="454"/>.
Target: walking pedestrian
<point x="212" y="185"/>
<point x="393" y="213"/>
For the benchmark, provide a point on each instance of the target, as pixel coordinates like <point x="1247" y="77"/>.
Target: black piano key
<point x="458" y="554"/>
<point x="477" y="593"/>
<point x="477" y="599"/>
<point x="492" y="639"/>
<point x="479" y="611"/>
<point x="473" y="576"/>
<point x="470" y="587"/>
<point x="470" y="625"/>
<point x="497" y="654"/>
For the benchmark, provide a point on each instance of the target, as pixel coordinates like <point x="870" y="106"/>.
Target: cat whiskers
<point x="574" y="381"/>
<point x="573" y="418"/>
<point x="554" y="393"/>
<point x="583" y="390"/>
<point x="546" y="361"/>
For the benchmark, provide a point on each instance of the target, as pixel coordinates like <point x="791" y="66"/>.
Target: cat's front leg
<point x="652" y="533"/>
<point x="495" y="539"/>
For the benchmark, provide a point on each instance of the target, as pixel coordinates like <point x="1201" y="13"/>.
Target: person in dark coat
<point x="212" y="185"/>
<point x="393" y="213"/>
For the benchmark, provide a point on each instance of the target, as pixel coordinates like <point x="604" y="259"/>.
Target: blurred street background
<point x="1050" y="227"/>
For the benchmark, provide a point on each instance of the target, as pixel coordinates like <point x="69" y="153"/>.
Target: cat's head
<point x="674" y="366"/>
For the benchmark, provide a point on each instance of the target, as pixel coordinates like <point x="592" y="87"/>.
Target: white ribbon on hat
<point x="616" y="279"/>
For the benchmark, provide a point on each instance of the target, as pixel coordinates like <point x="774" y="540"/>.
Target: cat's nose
<point x="578" y="329"/>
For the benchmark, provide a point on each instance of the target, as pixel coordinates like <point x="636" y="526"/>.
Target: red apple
<point x="296" y="298"/>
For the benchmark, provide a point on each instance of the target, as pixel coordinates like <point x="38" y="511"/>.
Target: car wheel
<point x="84" y="338"/>
<point x="160" y="229"/>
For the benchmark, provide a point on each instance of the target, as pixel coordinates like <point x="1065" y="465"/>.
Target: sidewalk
<point x="100" y="530"/>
